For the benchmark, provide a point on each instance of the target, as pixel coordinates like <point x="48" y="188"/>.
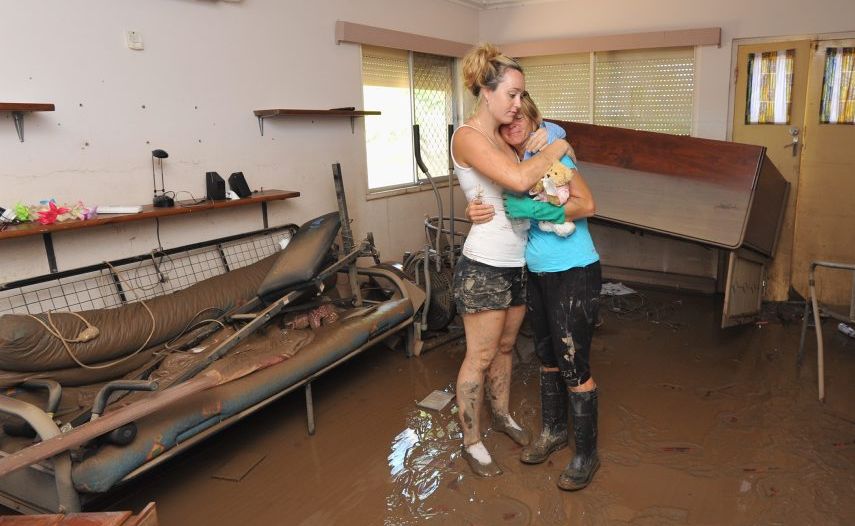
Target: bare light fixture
<point x="162" y="200"/>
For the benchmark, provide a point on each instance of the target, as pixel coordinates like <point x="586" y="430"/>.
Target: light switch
<point x="134" y="40"/>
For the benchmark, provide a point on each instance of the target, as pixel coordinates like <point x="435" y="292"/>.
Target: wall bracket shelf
<point x="352" y="114"/>
<point x="148" y="212"/>
<point x="18" y="109"/>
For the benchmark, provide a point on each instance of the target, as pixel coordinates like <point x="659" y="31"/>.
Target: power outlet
<point x="134" y="40"/>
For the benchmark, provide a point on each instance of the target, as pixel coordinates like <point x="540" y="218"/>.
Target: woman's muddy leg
<point x="483" y="331"/>
<point x="499" y="378"/>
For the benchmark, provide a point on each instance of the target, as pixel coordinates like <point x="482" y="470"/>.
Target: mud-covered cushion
<point x="25" y="345"/>
<point x="304" y="256"/>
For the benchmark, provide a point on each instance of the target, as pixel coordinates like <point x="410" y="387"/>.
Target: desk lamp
<point x="162" y="200"/>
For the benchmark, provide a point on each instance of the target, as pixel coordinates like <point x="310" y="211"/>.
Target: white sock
<point x="480" y="453"/>
<point x="510" y="422"/>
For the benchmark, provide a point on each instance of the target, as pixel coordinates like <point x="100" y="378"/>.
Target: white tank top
<point x="501" y="241"/>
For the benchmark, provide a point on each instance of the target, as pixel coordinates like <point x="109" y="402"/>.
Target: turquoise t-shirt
<point x="549" y="252"/>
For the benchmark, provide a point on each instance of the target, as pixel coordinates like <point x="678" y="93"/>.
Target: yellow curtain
<point x="770" y="83"/>
<point x="838" y="88"/>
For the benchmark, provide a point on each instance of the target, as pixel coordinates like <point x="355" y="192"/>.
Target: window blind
<point x="387" y="68"/>
<point x="649" y="90"/>
<point x="560" y="85"/>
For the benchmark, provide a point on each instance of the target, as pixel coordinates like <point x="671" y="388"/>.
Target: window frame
<point x="419" y="181"/>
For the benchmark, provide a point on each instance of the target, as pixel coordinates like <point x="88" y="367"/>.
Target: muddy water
<point x="698" y="426"/>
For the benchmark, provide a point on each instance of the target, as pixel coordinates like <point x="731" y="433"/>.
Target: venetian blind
<point x="388" y="68"/>
<point x="560" y="85"/>
<point x="648" y="90"/>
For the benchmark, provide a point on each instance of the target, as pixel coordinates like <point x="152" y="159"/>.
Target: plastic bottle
<point x="846" y="329"/>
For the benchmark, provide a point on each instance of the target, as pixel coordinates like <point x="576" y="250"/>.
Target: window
<point x="770" y="84"/>
<point x="838" y="87"/>
<point x="407" y="88"/>
<point x="650" y="90"/>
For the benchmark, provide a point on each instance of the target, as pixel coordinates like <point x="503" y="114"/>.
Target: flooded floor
<point x="698" y="425"/>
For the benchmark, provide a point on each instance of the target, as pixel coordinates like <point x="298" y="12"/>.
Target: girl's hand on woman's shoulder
<point x="538" y="140"/>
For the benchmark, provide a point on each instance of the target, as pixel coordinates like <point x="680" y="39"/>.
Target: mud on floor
<point x="698" y="425"/>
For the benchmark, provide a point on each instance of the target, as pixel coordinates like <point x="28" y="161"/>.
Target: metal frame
<point x="142" y="257"/>
<point x="306" y="382"/>
<point x="66" y="498"/>
<point x="813" y="305"/>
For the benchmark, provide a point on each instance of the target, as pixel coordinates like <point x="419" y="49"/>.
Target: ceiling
<point x="498" y="4"/>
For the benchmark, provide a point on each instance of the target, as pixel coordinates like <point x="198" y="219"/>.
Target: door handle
<point x="794" y="142"/>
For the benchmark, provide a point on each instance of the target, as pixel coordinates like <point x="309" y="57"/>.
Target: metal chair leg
<point x="820" y="352"/>
<point x="310" y="410"/>
<point x="805" y="317"/>
<point x="829" y="312"/>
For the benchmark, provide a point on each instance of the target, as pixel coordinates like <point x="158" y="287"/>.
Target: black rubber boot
<point x="586" y="462"/>
<point x="553" y="409"/>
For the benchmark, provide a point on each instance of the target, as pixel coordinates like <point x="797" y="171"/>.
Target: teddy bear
<point x="554" y="188"/>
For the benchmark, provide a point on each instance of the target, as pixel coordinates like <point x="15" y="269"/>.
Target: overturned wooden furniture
<point x="714" y="193"/>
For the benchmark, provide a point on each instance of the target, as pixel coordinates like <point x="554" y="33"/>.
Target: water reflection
<point x="421" y="456"/>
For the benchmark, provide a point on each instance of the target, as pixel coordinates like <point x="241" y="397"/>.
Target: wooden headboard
<point x="713" y="192"/>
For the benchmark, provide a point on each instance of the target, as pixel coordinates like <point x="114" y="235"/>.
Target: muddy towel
<point x="323" y="315"/>
<point x="25" y="345"/>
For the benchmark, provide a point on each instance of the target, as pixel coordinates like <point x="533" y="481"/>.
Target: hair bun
<point x="483" y="66"/>
<point x="488" y="51"/>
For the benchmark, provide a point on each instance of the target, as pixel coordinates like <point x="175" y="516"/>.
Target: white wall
<point x="206" y="66"/>
<point x="737" y="19"/>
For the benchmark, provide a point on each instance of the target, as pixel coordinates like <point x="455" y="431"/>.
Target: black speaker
<point x="215" y="186"/>
<point x="237" y="184"/>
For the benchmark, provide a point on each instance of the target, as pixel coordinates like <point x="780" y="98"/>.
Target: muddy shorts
<point x="562" y="311"/>
<point x="479" y="287"/>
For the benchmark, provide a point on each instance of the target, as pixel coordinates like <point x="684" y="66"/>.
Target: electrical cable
<point x="193" y="324"/>
<point x="195" y="202"/>
<point x="53" y="330"/>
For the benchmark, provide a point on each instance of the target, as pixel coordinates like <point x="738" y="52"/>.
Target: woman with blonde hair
<point x="564" y="283"/>
<point x="489" y="278"/>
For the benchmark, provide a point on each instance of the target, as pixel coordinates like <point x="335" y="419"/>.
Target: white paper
<point x="437" y="400"/>
<point x="616" y="289"/>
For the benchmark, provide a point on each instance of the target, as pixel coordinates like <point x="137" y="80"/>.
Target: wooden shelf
<point x="18" y="109"/>
<point x="26" y="106"/>
<point x="328" y="113"/>
<point x="148" y="212"/>
<point x="351" y="114"/>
